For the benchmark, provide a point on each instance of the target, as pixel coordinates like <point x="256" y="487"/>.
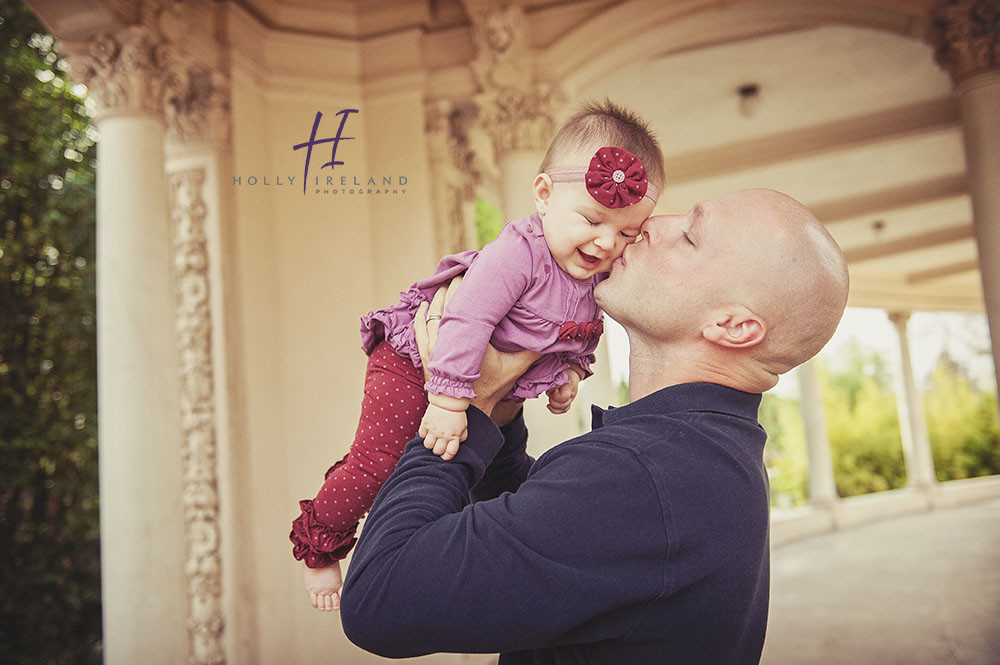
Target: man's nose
<point x="653" y="226"/>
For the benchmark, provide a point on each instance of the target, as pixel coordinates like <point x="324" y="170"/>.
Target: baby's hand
<point x="324" y="585"/>
<point x="443" y="430"/>
<point x="561" y="397"/>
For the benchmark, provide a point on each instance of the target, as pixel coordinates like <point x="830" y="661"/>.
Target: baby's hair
<point x="599" y="124"/>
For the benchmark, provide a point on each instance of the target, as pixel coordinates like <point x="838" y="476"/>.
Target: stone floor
<point x="922" y="589"/>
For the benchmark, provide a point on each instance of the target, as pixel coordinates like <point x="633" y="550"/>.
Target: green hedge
<point x="50" y="605"/>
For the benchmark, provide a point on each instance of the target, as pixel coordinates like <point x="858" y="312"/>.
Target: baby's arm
<point x="561" y="397"/>
<point x="489" y="289"/>
<point x="444" y="425"/>
<point x="499" y="276"/>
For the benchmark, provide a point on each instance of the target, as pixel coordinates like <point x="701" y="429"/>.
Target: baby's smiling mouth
<point x="588" y="259"/>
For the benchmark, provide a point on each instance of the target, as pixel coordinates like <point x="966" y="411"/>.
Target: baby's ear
<point x="542" y="191"/>
<point x="736" y="328"/>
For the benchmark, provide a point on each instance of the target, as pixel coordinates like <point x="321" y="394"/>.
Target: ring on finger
<point x="433" y="317"/>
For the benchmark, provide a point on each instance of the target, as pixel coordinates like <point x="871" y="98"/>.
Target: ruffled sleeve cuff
<point x="584" y="361"/>
<point x="440" y="385"/>
<point x="317" y="544"/>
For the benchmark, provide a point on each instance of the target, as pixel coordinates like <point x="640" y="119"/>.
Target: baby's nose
<point x="606" y="239"/>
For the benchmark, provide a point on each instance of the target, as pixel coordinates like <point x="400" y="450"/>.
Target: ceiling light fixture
<point x="749" y="98"/>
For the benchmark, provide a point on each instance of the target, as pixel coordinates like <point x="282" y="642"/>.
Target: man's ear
<point x="736" y="328"/>
<point x="542" y="191"/>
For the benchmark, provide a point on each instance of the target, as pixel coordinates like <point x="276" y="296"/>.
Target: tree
<point x="489" y="221"/>
<point x="961" y="424"/>
<point x="50" y="604"/>
<point x="863" y="425"/>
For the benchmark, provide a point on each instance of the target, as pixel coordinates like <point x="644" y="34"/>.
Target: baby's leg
<point x="393" y="404"/>
<point x="394" y="401"/>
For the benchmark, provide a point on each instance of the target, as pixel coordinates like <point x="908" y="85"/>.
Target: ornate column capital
<point x="122" y="70"/>
<point x="158" y="67"/>
<point x="196" y="104"/>
<point x="899" y="318"/>
<point x="519" y="119"/>
<point x="516" y="110"/>
<point x="966" y="34"/>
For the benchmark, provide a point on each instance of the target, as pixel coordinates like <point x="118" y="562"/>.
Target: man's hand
<point x="498" y="371"/>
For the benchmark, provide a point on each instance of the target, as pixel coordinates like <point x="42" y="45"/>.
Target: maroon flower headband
<point x="615" y="178"/>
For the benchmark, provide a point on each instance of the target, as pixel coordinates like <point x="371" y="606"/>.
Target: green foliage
<point x="962" y="425"/>
<point x="489" y="221"/>
<point x="785" y="452"/>
<point x="863" y="426"/>
<point x="50" y="601"/>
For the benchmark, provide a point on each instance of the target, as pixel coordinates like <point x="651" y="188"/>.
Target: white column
<point x="912" y="424"/>
<point x="142" y="532"/>
<point x="822" y="487"/>
<point x="142" y="536"/>
<point x="969" y="48"/>
<point x="979" y="101"/>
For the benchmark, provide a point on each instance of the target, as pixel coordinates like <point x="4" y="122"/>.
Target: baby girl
<point x="531" y="288"/>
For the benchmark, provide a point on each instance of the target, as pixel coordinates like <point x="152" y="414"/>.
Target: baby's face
<point x="583" y="236"/>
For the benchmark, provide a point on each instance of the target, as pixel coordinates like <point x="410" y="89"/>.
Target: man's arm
<point x="509" y="467"/>
<point x="581" y="538"/>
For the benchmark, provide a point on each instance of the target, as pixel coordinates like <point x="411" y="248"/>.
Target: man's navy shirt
<point x="642" y="541"/>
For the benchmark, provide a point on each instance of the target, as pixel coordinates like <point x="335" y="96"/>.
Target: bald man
<point x="645" y="540"/>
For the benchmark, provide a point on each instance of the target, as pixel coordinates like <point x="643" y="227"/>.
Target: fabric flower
<point x="584" y="331"/>
<point x="616" y="178"/>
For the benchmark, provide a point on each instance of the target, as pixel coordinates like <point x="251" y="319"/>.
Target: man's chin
<point x="600" y="293"/>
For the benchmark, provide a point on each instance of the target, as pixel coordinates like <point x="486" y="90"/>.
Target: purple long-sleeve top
<point x="513" y="296"/>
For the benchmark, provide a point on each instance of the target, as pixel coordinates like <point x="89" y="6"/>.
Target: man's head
<point x="737" y="291"/>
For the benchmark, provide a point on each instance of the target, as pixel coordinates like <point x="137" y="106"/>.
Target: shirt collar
<point x="681" y="398"/>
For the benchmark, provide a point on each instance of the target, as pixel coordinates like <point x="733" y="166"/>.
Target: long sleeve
<point x="582" y="537"/>
<point x="490" y="287"/>
<point x="511" y="465"/>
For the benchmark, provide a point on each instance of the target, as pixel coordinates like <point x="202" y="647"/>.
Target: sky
<point x="965" y="336"/>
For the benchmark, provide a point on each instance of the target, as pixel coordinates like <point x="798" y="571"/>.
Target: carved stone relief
<point x="200" y="497"/>
<point x="121" y="71"/>
<point x="146" y="68"/>
<point x="455" y="173"/>
<point x="516" y="109"/>
<point x="967" y="36"/>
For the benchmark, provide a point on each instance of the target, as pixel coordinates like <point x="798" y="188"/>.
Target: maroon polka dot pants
<point x="393" y="405"/>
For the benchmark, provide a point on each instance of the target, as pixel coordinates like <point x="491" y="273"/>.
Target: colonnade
<point x="159" y="427"/>
<point x="966" y="38"/>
